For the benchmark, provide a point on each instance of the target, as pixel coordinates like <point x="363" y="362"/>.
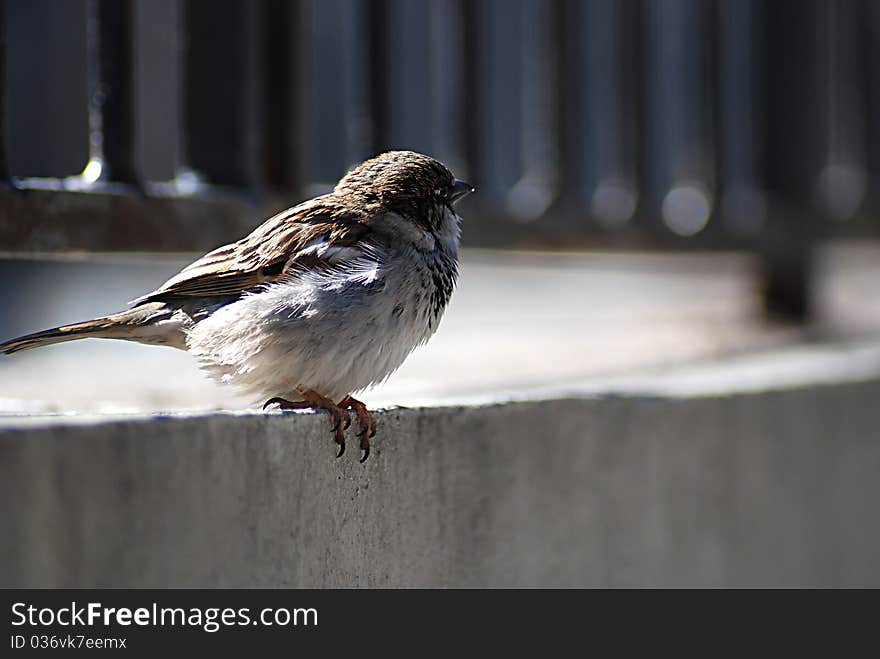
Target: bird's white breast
<point x="335" y="331"/>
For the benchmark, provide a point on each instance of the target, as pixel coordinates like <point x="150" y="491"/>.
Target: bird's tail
<point x="143" y="324"/>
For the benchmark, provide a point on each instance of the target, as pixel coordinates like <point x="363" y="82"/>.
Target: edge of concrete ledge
<point x="792" y="367"/>
<point x="766" y="477"/>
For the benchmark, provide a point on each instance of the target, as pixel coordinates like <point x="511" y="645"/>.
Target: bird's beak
<point x="460" y="189"/>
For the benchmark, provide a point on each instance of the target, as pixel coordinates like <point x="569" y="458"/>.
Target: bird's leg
<point x="314" y="400"/>
<point x="365" y="420"/>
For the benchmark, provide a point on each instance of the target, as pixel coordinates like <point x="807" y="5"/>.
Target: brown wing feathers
<point x="230" y="270"/>
<point x="264" y="255"/>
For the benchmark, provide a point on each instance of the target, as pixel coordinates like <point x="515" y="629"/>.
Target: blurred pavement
<point x="518" y="321"/>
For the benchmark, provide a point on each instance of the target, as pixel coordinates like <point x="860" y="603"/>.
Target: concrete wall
<point x="750" y="488"/>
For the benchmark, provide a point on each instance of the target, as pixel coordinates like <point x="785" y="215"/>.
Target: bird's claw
<point x="339" y="414"/>
<point x="343" y="421"/>
<point x="366" y="422"/>
<point x="276" y="401"/>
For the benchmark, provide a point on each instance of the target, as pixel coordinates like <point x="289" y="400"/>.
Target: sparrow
<point x="319" y="302"/>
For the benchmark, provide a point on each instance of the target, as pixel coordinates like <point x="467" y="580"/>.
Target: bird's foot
<point x="366" y="422"/>
<point x="312" y="399"/>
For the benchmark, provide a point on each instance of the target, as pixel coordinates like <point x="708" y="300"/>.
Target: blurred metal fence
<point x="616" y="122"/>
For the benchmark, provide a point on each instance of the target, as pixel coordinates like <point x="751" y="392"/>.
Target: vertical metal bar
<point x="498" y="115"/>
<point x="111" y="92"/>
<point x="46" y="69"/>
<point x="418" y="73"/>
<point x="605" y="103"/>
<point x="360" y="127"/>
<point x="279" y="28"/>
<point x="679" y="131"/>
<point x="512" y="122"/>
<point x="842" y="183"/>
<point x="4" y="163"/>
<point x="340" y="88"/>
<point x="376" y="48"/>
<point x="869" y="21"/>
<point x="740" y="72"/>
<point x="410" y="107"/>
<point x="574" y="149"/>
<point x="448" y="74"/>
<point x="538" y="184"/>
<point x="157" y="92"/>
<point x="597" y="111"/>
<point x="615" y="197"/>
<point x="220" y="103"/>
<point x="473" y="95"/>
<point x="796" y="92"/>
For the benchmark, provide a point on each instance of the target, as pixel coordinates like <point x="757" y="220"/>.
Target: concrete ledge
<point x="751" y="487"/>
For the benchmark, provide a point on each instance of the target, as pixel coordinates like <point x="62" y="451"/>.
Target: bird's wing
<point x="314" y="234"/>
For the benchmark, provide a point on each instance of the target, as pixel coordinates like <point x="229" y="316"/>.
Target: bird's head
<point x="415" y="186"/>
